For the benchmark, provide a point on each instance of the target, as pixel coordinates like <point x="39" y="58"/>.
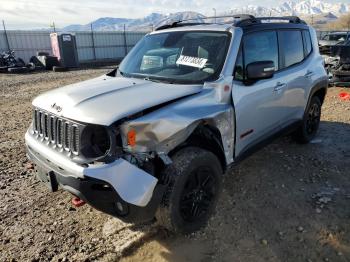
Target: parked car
<point x="332" y="39"/>
<point x="153" y="138"/>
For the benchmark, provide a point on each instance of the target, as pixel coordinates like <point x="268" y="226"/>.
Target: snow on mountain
<point x="142" y="24"/>
<point x="304" y="7"/>
<point x="312" y="7"/>
<point x="103" y="24"/>
<point x="297" y="7"/>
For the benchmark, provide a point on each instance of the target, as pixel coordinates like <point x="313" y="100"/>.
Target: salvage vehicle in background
<point x="153" y="138"/>
<point x="338" y="64"/>
<point x="332" y="39"/>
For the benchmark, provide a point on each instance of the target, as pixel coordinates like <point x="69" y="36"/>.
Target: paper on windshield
<point x="191" y="61"/>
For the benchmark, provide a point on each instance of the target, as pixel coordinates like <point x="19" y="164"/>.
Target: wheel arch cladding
<point x="321" y="94"/>
<point x="207" y="137"/>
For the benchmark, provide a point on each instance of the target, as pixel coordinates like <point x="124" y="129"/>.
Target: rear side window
<point x="307" y="42"/>
<point x="291" y="44"/>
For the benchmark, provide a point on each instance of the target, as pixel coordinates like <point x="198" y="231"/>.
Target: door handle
<point x="279" y="86"/>
<point x="309" y="74"/>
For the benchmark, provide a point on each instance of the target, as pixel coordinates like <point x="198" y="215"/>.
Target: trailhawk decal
<point x="191" y="61"/>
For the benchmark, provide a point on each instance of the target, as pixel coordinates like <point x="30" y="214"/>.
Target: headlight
<point x="95" y="141"/>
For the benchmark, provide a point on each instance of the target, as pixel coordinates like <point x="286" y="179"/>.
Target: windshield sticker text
<point x="191" y="61"/>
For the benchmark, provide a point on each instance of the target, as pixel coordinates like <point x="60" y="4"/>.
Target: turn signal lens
<point x="132" y="137"/>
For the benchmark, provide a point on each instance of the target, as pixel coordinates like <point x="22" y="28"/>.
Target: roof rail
<point x="177" y="24"/>
<point x="239" y="17"/>
<point x="290" y="19"/>
<point x="238" y="20"/>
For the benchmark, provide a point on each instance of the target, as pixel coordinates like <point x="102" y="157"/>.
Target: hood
<point x="106" y="99"/>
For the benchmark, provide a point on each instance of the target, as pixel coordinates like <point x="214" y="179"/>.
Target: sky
<point x="25" y="14"/>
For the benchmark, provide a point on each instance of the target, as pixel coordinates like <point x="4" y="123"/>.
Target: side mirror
<point x="260" y="70"/>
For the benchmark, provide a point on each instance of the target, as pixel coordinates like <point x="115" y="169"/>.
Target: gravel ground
<point x="288" y="202"/>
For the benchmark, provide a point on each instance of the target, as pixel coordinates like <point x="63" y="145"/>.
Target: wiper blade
<point x="156" y="80"/>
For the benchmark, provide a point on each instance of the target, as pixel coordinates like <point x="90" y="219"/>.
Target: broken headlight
<point x="95" y="142"/>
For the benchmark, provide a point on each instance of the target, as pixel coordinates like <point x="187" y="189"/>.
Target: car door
<point x="296" y="72"/>
<point x="257" y="105"/>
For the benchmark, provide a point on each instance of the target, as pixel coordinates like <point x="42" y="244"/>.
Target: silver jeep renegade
<point x="152" y="139"/>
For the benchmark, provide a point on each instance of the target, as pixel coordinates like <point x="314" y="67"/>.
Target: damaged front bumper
<point x="118" y="188"/>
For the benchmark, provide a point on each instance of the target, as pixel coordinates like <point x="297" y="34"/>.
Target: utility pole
<point x="125" y="42"/>
<point x="53" y="26"/>
<point x="93" y="41"/>
<point x="6" y="37"/>
<point x="214" y="9"/>
<point x="312" y="20"/>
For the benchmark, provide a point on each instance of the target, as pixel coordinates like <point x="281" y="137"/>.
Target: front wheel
<point x="193" y="188"/>
<point x="311" y="121"/>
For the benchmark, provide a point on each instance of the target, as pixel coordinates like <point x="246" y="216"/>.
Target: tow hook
<point x="77" y="202"/>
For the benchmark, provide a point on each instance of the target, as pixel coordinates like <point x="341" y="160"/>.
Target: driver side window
<point x="256" y="47"/>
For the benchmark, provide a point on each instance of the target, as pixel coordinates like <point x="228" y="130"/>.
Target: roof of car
<point x="246" y="22"/>
<point x="196" y="27"/>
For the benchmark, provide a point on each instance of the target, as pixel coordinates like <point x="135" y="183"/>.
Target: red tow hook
<point x="77" y="202"/>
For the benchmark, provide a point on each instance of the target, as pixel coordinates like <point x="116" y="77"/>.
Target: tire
<point x="42" y="53"/>
<point x="20" y="62"/>
<point x="2" y="61"/>
<point x="59" y="69"/>
<point x="31" y="66"/>
<point x="188" y="201"/>
<point x="311" y="121"/>
<point x="36" y="61"/>
<point x="4" y="69"/>
<point x="18" y="70"/>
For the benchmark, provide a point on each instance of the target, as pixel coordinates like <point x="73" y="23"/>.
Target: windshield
<point x="335" y="37"/>
<point x="178" y="57"/>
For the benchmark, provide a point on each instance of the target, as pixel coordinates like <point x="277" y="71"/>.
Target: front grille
<point x="56" y="130"/>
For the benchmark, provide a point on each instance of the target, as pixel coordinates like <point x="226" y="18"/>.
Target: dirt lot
<point x="288" y="202"/>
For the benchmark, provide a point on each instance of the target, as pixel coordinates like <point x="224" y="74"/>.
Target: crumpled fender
<point x="163" y="130"/>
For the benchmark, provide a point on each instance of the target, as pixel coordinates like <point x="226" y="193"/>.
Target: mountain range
<point x="304" y="8"/>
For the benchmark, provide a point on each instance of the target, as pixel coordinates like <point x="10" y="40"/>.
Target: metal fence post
<point x="6" y="37"/>
<point x="125" y="42"/>
<point x="93" y="42"/>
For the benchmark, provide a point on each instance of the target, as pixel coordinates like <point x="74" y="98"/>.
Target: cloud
<point x="41" y="13"/>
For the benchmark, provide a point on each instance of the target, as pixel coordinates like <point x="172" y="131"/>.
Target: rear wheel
<point x="59" y="69"/>
<point x="311" y="121"/>
<point x="194" y="184"/>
